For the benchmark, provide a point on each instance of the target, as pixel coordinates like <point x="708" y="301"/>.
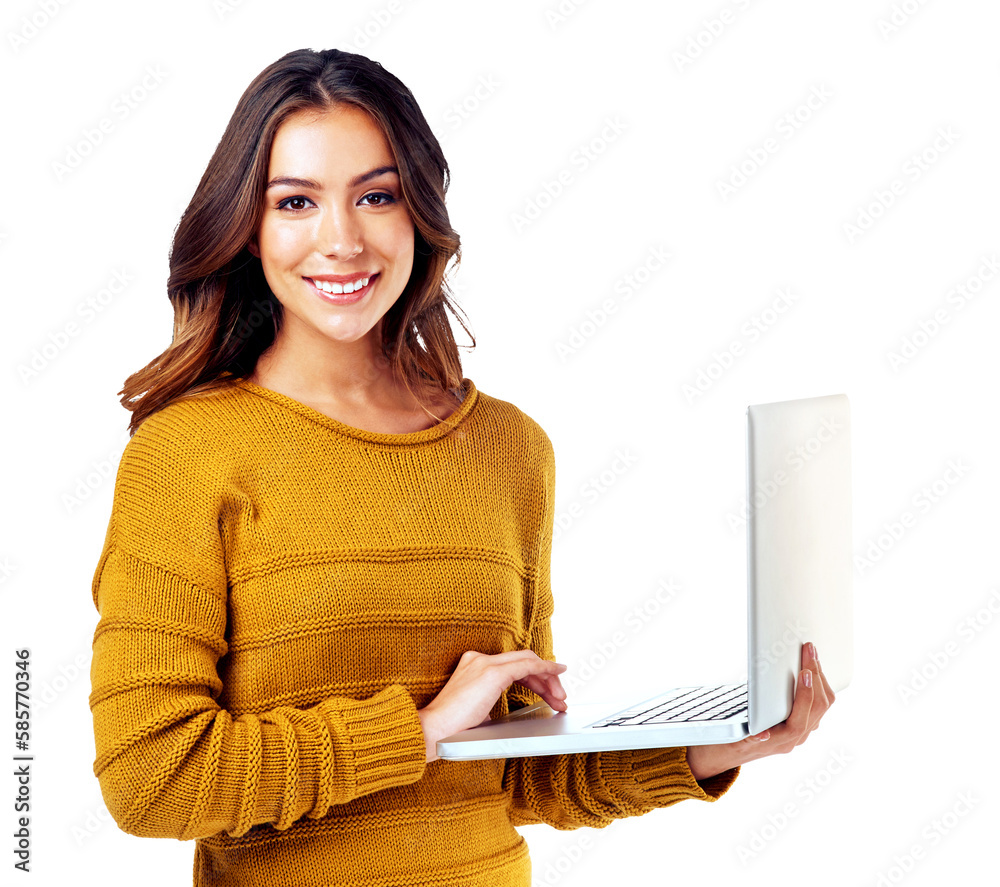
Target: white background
<point x="516" y="92"/>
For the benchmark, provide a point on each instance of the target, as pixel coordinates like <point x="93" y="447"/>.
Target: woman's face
<point x="344" y="218"/>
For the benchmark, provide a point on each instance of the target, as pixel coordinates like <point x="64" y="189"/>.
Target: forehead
<point x="344" y="138"/>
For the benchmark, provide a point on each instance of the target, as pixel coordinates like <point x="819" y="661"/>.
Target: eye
<point x="382" y="198"/>
<point x="285" y="204"/>
<point x="295" y="204"/>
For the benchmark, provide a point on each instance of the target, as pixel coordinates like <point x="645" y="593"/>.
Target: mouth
<point x="342" y="298"/>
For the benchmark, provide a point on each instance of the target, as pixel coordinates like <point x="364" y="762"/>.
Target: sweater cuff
<point x="381" y="736"/>
<point x="658" y="777"/>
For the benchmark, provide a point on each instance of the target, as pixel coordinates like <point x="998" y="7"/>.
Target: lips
<point x="344" y="298"/>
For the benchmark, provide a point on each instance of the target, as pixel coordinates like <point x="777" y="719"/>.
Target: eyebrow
<point x="296" y="182"/>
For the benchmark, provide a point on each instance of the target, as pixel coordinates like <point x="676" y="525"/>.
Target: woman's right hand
<point x="475" y="686"/>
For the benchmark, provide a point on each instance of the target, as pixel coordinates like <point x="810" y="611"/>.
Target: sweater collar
<point x="427" y="435"/>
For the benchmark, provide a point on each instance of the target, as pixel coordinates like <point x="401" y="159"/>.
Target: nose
<point x="340" y="233"/>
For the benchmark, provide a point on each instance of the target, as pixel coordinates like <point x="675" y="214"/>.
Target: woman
<point x="327" y="548"/>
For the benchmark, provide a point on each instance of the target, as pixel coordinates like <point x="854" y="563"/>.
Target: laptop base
<point x="539" y="730"/>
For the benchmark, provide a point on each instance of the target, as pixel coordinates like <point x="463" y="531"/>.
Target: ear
<point x="253" y="247"/>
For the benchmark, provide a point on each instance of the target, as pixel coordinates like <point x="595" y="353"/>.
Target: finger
<point x="555" y="686"/>
<point x="818" y="669"/>
<point x="807" y="655"/>
<point x="518" y="667"/>
<point x="538" y="685"/>
<point x="550" y="683"/>
<point x="512" y="656"/>
<point x="541" y="676"/>
<point x="796" y="726"/>
<point x="824" y="697"/>
<point x="819" y="704"/>
<point x="801" y="720"/>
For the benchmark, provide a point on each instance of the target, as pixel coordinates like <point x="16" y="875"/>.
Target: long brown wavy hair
<point x="225" y="315"/>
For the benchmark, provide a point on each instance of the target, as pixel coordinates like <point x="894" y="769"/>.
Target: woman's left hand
<point x="813" y="696"/>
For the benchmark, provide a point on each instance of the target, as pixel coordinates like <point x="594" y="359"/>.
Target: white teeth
<point x="337" y="288"/>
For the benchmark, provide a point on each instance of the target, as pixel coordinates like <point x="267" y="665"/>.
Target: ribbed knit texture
<point x="279" y="593"/>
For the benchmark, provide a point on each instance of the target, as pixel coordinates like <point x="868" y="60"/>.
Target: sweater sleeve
<point x="590" y="789"/>
<point x="171" y="762"/>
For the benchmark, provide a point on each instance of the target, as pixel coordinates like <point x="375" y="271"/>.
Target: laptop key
<point x="694" y="704"/>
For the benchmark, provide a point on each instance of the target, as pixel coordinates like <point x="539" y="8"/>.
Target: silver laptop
<point x="799" y="588"/>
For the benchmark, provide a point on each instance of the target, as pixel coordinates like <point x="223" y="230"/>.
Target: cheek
<point x="398" y="243"/>
<point x="283" y="245"/>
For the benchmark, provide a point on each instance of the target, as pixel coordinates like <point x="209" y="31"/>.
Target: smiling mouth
<point x="343" y="294"/>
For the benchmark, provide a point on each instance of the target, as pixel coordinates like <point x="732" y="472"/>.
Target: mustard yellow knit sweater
<point x="279" y="593"/>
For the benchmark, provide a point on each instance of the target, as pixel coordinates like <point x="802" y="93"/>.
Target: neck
<point x="318" y="369"/>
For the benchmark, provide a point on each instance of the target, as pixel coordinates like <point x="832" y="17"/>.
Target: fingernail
<point x="764" y="736"/>
<point x="807" y="678"/>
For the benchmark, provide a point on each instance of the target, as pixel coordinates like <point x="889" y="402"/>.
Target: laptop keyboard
<point x="686" y="704"/>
